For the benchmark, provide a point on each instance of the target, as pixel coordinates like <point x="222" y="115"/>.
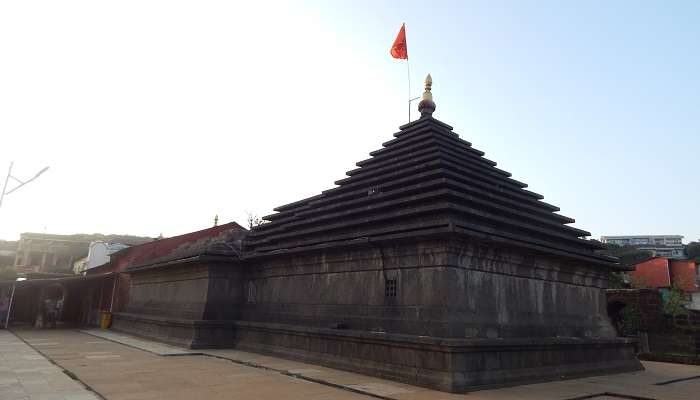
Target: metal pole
<point x="22" y="183"/>
<point x="114" y="291"/>
<point x="4" y="188"/>
<point x="9" y="307"/>
<point x="408" y="71"/>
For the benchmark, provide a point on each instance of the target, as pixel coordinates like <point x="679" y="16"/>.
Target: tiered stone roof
<point x="425" y="181"/>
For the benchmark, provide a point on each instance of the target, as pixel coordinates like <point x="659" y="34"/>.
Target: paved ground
<point x="26" y="374"/>
<point x="151" y="346"/>
<point x="141" y="369"/>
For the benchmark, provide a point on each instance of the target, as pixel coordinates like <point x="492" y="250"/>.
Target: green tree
<point x="673" y="303"/>
<point x="617" y="281"/>
<point x="693" y="251"/>
<point x="628" y="255"/>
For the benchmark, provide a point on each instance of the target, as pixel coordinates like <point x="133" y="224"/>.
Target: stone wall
<point x="179" y="291"/>
<point x="453" y="365"/>
<point x="191" y="303"/>
<point x="667" y="338"/>
<point x="647" y="302"/>
<point x="444" y="313"/>
<point x="194" y="291"/>
<point x="443" y="288"/>
<point x="441" y="313"/>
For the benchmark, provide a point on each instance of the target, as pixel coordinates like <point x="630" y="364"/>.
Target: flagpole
<point x="408" y="71"/>
<point x="399" y="50"/>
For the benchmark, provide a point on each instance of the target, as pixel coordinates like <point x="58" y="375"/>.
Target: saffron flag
<point x="399" y="49"/>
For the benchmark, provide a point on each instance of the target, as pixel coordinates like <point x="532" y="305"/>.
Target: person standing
<point x="4" y="307"/>
<point x="49" y="313"/>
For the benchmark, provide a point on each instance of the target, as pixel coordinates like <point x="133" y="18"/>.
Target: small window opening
<point x="390" y="288"/>
<point x="252" y="292"/>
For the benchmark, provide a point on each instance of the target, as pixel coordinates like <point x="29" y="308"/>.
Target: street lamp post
<point x="12" y="298"/>
<point x="21" y="182"/>
<point x="2" y="196"/>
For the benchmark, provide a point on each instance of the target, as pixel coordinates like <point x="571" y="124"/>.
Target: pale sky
<point x="156" y="115"/>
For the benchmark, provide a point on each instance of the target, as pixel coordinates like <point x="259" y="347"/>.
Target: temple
<point x="427" y="265"/>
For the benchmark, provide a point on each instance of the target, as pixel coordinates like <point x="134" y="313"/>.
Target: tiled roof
<point x="224" y="240"/>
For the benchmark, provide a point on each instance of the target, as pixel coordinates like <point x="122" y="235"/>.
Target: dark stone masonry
<point x="427" y="265"/>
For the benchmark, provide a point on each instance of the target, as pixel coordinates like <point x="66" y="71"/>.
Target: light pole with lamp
<point x="21" y="183"/>
<point x="2" y="196"/>
<point x="12" y="297"/>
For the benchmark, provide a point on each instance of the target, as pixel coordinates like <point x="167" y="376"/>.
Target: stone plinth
<point x="459" y="315"/>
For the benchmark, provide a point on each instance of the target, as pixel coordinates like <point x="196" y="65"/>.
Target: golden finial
<point x="426" y="107"/>
<point x="428" y="85"/>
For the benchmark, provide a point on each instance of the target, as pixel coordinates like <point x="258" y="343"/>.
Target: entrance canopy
<point x="82" y="296"/>
<point x="72" y="281"/>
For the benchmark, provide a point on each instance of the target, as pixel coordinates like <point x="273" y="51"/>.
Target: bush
<point x="693" y="251"/>
<point x="673" y="302"/>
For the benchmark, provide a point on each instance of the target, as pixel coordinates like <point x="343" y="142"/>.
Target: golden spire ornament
<point x="426" y="107"/>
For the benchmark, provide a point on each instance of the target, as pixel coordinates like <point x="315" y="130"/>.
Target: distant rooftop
<point x="87" y="238"/>
<point x="643" y="236"/>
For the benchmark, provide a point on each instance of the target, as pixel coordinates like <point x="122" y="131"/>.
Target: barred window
<point x="390" y="288"/>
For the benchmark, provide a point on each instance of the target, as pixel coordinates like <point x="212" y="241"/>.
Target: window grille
<point x="390" y="288"/>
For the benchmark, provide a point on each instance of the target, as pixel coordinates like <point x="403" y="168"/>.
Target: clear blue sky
<point x="595" y="104"/>
<point x="156" y="115"/>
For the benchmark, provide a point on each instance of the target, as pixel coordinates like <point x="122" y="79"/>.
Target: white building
<point x="669" y="246"/>
<point x="98" y="254"/>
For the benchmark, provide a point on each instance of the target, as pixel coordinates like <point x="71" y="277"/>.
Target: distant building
<point x="8" y="250"/>
<point x="99" y="253"/>
<point x="42" y="252"/>
<point x="662" y="273"/>
<point x="652" y="273"/>
<point x="669" y="246"/>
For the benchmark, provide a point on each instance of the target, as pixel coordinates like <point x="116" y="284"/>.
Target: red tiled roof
<point x="685" y="275"/>
<point x="142" y="254"/>
<point x="652" y="273"/>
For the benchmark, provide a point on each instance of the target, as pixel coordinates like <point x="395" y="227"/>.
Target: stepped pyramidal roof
<point x="424" y="182"/>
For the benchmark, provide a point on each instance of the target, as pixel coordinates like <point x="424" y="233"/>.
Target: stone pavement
<point x="26" y="374"/>
<point x="137" y="370"/>
<point x="143" y="344"/>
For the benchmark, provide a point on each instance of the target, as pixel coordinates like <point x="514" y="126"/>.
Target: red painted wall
<point x="684" y="274"/>
<point x="652" y="273"/>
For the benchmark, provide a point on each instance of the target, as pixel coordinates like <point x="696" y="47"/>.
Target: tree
<point x="628" y="255"/>
<point x="253" y="220"/>
<point x="674" y="301"/>
<point x="617" y="281"/>
<point x="693" y="251"/>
